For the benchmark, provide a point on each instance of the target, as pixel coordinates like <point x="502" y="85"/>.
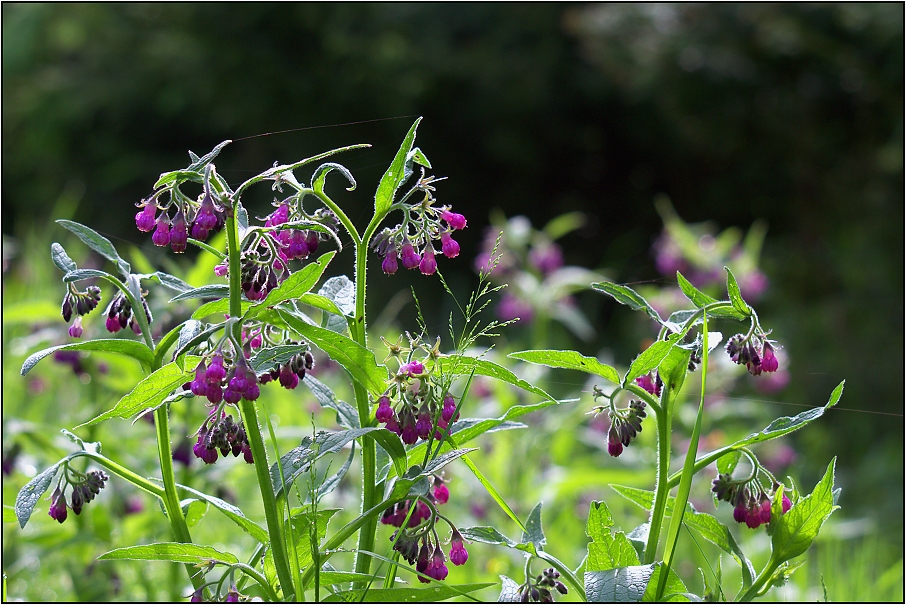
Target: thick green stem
<point x="760" y="581"/>
<point x="662" y="487"/>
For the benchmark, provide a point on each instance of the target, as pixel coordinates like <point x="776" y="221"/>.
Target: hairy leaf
<point x="396" y="174"/>
<point x="171" y="551"/>
<point x="233" y="512"/>
<point x="136" y="350"/>
<point x="294" y="286"/>
<point x="800" y="525"/>
<point x="697" y="297"/>
<point x="96" y="242"/>
<point x="629" y="297"/>
<point x="618" y="585"/>
<point x="61" y="259"/>
<point x="570" y="360"/>
<point x="650" y="358"/>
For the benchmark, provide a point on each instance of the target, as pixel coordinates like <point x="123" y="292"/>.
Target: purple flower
<point x="740" y="512"/>
<point x="614" y="441"/>
<point x="197" y="596"/>
<point x="206" y="218"/>
<point x="215" y="372"/>
<point x="232" y="595"/>
<point x="450" y="246"/>
<point x="409" y="256"/>
<point x="199" y="232"/>
<point x="458" y="553"/>
<point x="441" y="493"/>
<point x="252" y="392"/>
<point x="438" y="568"/>
<point x="409" y="435"/>
<point x="449" y="408"/>
<point x="413" y="368"/>
<point x="428" y="264"/>
<point x="768" y="359"/>
<point x="546" y="258"/>
<point x="278" y="216"/>
<point x="221" y="270"/>
<point x="161" y="236"/>
<point x="312" y="240"/>
<point x="512" y="307"/>
<point x="389" y="265"/>
<point x="145" y="219"/>
<point x="57" y="510"/>
<point x="179" y="233"/>
<point x="384" y="412"/>
<point x="786" y="504"/>
<point x="455" y="220"/>
<point x="75" y="330"/>
<point x="653" y="386"/>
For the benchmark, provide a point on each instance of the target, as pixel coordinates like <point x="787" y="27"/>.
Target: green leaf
<point x="170" y="281"/>
<point x="294" y="286"/>
<point x="461" y="365"/>
<point x="698" y="298"/>
<point x="600" y="520"/>
<point x="266" y="359"/>
<point x="80" y="274"/>
<point x="570" y="360"/>
<point x="319" y="176"/>
<point x="487" y="535"/>
<point x="194" y="510"/>
<point x="347" y="416"/>
<point x="233" y="512"/>
<point x="618" y="585"/>
<point x="190" y="336"/>
<point x="136" y="350"/>
<point x="220" y="307"/>
<point x="356" y="359"/>
<point x="608" y="549"/>
<point x="444" y="459"/>
<point x="438" y="591"/>
<point x="171" y="551"/>
<point x="341" y="291"/>
<point x="178" y="176"/>
<point x="418" y="157"/>
<point x="674" y="367"/>
<point x="533" y="532"/>
<point x="332" y="578"/>
<point x="61" y="259"/>
<point x="509" y="591"/>
<point x="32" y="491"/>
<point x="304" y="523"/>
<point x="735" y="295"/>
<point x="396" y="174"/>
<point x="149" y="393"/>
<point x="629" y="297"/>
<point x="674" y="589"/>
<point x="209" y="291"/>
<point x="96" y="242"/>
<point x="706" y="525"/>
<point x="726" y="464"/>
<point x="650" y="358"/>
<point x="330" y="483"/>
<point x="393" y="446"/>
<point x="800" y="525"/>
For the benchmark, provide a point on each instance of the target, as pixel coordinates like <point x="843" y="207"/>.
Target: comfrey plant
<point x="639" y="564"/>
<point x="258" y="330"/>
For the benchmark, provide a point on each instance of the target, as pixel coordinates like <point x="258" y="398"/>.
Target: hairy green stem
<point x="662" y="488"/>
<point x="760" y="581"/>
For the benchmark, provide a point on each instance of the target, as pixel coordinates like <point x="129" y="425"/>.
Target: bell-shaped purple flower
<point x="458" y="553"/>
<point x="161" y="235"/>
<point x="390" y="265"/>
<point x="384" y="411"/>
<point x="409" y="256"/>
<point x="449" y="246"/>
<point x="179" y="235"/>
<point x="428" y="264"/>
<point x="75" y="330"/>
<point x="57" y="510"/>
<point x="455" y="220"/>
<point x="145" y="219"/>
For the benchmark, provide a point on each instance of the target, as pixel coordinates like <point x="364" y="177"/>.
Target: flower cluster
<point x="121" y="314"/>
<point x="652" y="385"/>
<point x="80" y="303"/>
<point x="539" y="591"/>
<point x="625" y="424"/>
<point x="411" y="242"/>
<point x="413" y="418"/>
<point x="218" y="384"/>
<point x="225" y="435"/>
<point x="754" y="352"/>
<point x="84" y="489"/>
<point x="752" y="504"/>
<point x="197" y="218"/>
<point x="290" y="373"/>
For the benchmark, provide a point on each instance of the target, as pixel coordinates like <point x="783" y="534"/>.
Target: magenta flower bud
<point x="278" y="216"/>
<point x="75" y="330"/>
<point x="439" y="565"/>
<point x="458" y="553"/>
<point x="252" y="392"/>
<point x="231" y="396"/>
<point x="197" y="596"/>
<point x="232" y="595"/>
<point x="288" y="378"/>
<point x="740" y="513"/>
<point x="449" y="408"/>
<point x="161" y="236"/>
<point x="215" y="393"/>
<point x="413" y="368"/>
<point x="409" y="435"/>
<point x="389" y="264"/>
<point x="206" y="218"/>
<point x="428" y="264"/>
<point x="649" y="384"/>
<point x="112" y="324"/>
<point x="57" y="510"/>
<point x="256" y="341"/>
<point x="786" y="504"/>
<point x="145" y="219"/>
<point x="393" y="426"/>
<point x="221" y="270"/>
<point x="215" y="373"/>
<point x="199" y="232"/>
<point x="455" y="220"/>
<point x="765" y="511"/>
<point x="238" y="381"/>
<point x="450" y="246"/>
<point x="423" y="425"/>
<point x="247" y="453"/>
<point x="179" y="233"/>
<point x="768" y="359"/>
<point x="409" y="256"/>
<point x="753" y="517"/>
<point x="441" y="493"/>
<point x="614" y="441"/>
<point x="312" y="240"/>
<point x="384" y="412"/>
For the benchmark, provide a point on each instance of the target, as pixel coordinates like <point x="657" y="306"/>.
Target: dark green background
<point x="791" y="113"/>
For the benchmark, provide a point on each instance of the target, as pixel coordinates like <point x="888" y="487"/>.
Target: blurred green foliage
<point x="787" y="113"/>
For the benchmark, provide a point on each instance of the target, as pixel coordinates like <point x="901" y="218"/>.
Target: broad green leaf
<point x="708" y="526"/>
<point x="149" y="393"/>
<point x="629" y="297"/>
<point x="178" y="176"/>
<point x="170" y="281"/>
<point x="650" y="358"/>
<point x="356" y="359"/>
<point x="678" y="318"/>
<point x="220" y="307"/>
<point x="608" y="549"/>
<point x="600" y="520"/>
<point x="396" y="174"/>
<point x="727" y="312"/>
<point x="674" y="367"/>
<point x="796" y="529"/>
<point x="674" y="590"/>
<point x="570" y="360"/>
<point x="209" y="291"/>
<point x="735" y="295"/>
<point x="266" y="359"/>
<point x="294" y="286"/>
<point x="697" y="297"/>
<point x="340" y="290"/>
<point x="96" y="242"/>
<point x="233" y="512"/>
<point x="487" y="535"/>
<point x="194" y="510"/>
<point x="533" y="532"/>
<point x="509" y="591"/>
<point x="347" y="416"/>
<point x="32" y="491"/>
<point x="171" y="551"/>
<point x="437" y="591"/>
<point x="618" y="585"/>
<point x="323" y="303"/>
<point x="61" y="259"/>
<point x="444" y="459"/>
<point x="461" y="365"/>
<point x="136" y="350"/>
<point x="80" y="274"/>
<point x="393" y="445"/>
<point x="726" y="464"/>
<point x="304" y="523"/>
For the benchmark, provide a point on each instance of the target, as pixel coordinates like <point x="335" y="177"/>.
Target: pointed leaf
<point x="487" y="535"/>
<point x="618" y="585"/>
<point x="533" y="532"/>
<point x="509" y="591"/>
<point x="735" y="295"/>
<point x="347" y="416"/>
<point x="570" y="360"/>
<point x="80" y="274"/>
<point x="171" y="551"/>
<point x="674" y="591"/>
<point x="294" y="286"/>
<point x="266" y="359"/>
<point x="136" y="350"/>
<point x="462" y="366"/>
<point x="697" y="297"/>
<point x="800" y="525"/>
<point x="650" y="358"/>
<point x="32" y="491"/>
<point x="96" y="242"/>
<point x="629" y="297"/>
<point x="233" y="512"/>
<point x="396" y="174"/>
<point x="199" y="164"/>
<point x="209" y="291"/>
<point x="61" y="259"/>
<point x="170" y="281"/>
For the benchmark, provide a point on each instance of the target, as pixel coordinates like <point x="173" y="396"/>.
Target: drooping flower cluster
<point x="625" y="424"/>
<point x="652" y="385"/>
<point x="752" y="504"/>
<point x="414" y="416"/>
<point x="539" y="590"/>
<point x="84" y="489"/>
<point x="754" y="352"/>
<point x="121" y="314"/>
<point x="218" y="384"/>
<point x="196" y="218"/>
<point x="80" y="303"/>
<point x="223" y="434"/>
<point x="429" y="559"/>
<point x="412" y="242"/>
<point x="290" y="373"/>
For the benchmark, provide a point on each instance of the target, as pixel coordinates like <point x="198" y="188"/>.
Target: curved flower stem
<point x="125" y="473"/>
<point x="758" y="585"/>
